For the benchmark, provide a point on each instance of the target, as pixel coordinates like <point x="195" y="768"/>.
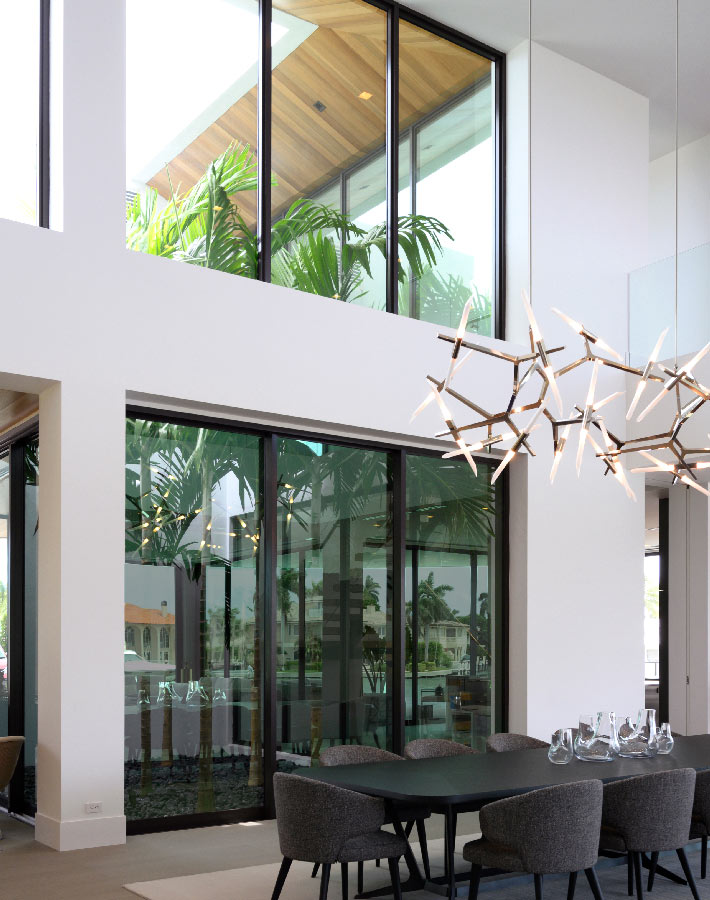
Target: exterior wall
<point x="82" y="323"/>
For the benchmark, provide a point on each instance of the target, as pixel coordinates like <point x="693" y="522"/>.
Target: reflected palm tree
<point x="431" y="607"/>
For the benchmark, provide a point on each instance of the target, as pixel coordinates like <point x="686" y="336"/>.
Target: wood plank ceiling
<point x="320" y="125"/>
<point x="15" y="408"/>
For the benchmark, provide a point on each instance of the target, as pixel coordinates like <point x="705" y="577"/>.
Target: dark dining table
<point x="450" y="785"/>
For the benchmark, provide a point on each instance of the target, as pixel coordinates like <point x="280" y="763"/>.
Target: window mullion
<point x="392" y="159"/>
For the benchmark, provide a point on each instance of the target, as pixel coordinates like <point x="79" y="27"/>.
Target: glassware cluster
<point x="599" y="739"/>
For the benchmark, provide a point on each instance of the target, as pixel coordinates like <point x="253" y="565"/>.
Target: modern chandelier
<point x="500" y="427"/>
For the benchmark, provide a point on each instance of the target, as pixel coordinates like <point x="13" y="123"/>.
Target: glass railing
<point x="652" y="304"/>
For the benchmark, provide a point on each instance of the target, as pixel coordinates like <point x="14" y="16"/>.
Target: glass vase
<point x="638" y="740"/>
<point x="597" y="739"/>
<point x="561" y="747"/>
<point x="664" y="738"/>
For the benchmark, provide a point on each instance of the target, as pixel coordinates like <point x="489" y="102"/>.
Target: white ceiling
<point x="630" y="41"/>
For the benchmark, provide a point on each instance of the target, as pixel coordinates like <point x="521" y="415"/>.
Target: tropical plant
<point x="431" y="607"/>
<point x="314" y="248"/>
<point x="374" y="658"/>
<point x="371" y="593"/>
<point x="286" y="584"/>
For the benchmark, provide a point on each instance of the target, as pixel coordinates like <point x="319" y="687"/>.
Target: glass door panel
<point x="334" y="568"/>
<point x="193" y="621"/>
<point x="4" y="598"/>
<point x="29" y="657"/>
<point x="449" y="671"/>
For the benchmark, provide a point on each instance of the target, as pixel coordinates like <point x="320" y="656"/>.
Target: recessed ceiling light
<point x="365" y="95"/>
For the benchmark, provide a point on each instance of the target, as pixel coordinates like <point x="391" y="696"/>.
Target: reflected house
<point x="150" y="633"/>
<point x="453" y="637"/>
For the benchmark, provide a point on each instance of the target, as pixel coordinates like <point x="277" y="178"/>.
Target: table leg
<point x="450" y="818"/>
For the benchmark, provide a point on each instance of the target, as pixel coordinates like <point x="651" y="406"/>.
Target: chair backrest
<point x="701" y="801"/>
<point x="504" y="741"/>
<point x="10" y="748"/>
<point x="315" y="819"/>
<point x="555" y="829"/>
<point x="353" y="754"/>
<point x="429" y="748"/>
<point x="651" y="812"/>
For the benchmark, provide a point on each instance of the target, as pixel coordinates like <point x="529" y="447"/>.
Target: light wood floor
<point x="30" y="871"/>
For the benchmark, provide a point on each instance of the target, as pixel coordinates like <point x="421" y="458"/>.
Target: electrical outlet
<point x="92" y="808"/>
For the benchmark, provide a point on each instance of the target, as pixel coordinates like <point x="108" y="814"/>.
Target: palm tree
<point x="314" y="248"/>
<point x="371" y="593"/>
<point x="286" y="584"/>
<point x="431" y="606"/>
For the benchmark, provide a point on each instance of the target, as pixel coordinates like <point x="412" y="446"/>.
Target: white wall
<point x="583" y="609"/>
<point x="693" y="200"/>
<point x="98" y="323"/>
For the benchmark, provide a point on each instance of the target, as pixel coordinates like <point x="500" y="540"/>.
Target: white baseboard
<point x="80" y="834"/>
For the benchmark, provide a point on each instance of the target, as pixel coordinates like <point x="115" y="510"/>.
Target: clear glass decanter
<point x="638" y="740"/>
<point x="561" y="747"/>
<point x="597" y="739"/>
<point x="664" y="738"/>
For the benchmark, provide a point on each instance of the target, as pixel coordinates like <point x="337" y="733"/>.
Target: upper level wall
<point x="693" y="200"/>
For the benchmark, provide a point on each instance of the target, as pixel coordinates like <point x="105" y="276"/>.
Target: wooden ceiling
<point x="343" y="57"/>
<point x="15" y="408"/>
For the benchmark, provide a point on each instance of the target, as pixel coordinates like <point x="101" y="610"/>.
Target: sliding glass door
<point x="193" y="639"/>
<point x="450" y="597"/>
<point x="19" y="530"/>
<point x="334" y="576"/>
<point x="262" y="592"/>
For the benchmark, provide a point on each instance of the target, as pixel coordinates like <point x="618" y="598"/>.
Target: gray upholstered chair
<point x="429" y="748"/>
<point x="359" y="754"/>
<point x="700" y="822"/>
<point x="322" y="823"/>
<point x="649" y="814"/>
<point x="504" y="741"/>
<point x="553" y="830"/>
<point x="10" y="749"/>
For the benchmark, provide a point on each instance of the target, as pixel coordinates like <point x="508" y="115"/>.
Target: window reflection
<point x="334" y="607"/>
<point x="450" y="651"/>
<point x="193" y="635"/>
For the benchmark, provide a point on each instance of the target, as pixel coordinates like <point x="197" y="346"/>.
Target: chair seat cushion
<point x="496" y="856"/>
<point x="376" y="845"/>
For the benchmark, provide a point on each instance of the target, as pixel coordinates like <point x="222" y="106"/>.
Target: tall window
<point x="453" y="607"/>
<point x="193" y="563"/>
<point x="193" y="183"/>
<point x="334" y="575"/>
<point x="264" y="573"/>
<point x="20" y="149"/>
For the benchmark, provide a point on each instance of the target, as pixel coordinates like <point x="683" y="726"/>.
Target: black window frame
<point x="395" y="13"/>
<point x="15" y="445"/>
<point x="43" y="118"/>
<point x="43" y="143"/>
<point x="397" y="482"/>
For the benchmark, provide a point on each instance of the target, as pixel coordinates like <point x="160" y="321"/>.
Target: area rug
<point x="257" y="882"/>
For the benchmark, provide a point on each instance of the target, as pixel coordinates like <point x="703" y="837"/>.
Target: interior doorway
<point x="656" y="602"/>
<point x="19" y="530"/>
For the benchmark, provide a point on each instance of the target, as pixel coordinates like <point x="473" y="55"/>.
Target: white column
<point x="689" y="611"/>
<point x="80" y="614"/>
